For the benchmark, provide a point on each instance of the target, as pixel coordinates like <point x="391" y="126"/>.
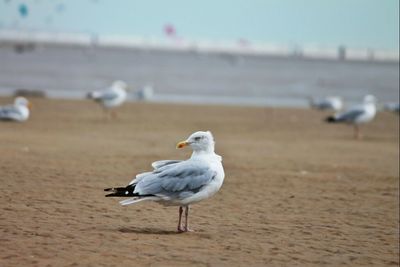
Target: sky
<point x="354" y="23"/>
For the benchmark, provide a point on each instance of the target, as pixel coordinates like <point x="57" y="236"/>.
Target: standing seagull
<point x="19" y="111"/>
<point x="178" y="183"/>
<point x="357" y="115"/>
<point x="111" y="97"/>
<point x="329" y="103"/>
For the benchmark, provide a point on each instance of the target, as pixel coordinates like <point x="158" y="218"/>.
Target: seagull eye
<point x="197" y="138"/>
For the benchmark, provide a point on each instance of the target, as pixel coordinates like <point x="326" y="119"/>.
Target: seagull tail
<point x="3" y="115"/>
<point x="331" y="119"/>
<point x="93" y="95"/>
<point x="89" y="95"/>
<point x="128" y="191"/>
<point x="133" y="200"/>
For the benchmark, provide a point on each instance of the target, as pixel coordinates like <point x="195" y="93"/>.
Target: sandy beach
<point x="297" y="192"/>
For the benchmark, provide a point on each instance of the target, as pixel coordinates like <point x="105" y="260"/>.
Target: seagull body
<point x="19" y="111"/>
<point x="178" y="183"/>
<point x="357" y="115"/>
<point x="112" y="97"/>
<point x="329" y="103"/>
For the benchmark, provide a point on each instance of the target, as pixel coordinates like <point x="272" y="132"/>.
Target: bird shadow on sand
<point x="148" y="231"/>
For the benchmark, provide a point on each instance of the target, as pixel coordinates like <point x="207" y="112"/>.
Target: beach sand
<point x="297" y="191"/>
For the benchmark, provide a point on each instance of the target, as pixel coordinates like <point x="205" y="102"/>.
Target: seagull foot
<point x="184" y="230"/>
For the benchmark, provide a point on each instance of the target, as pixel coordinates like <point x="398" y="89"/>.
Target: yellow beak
<point x="182" y="144"/>
<point x="30" y="105"/>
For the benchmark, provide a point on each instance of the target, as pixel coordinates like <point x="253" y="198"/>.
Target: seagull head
<point x="22" y="101"/>
<point x="369" y="99"/>
<point x="120" y="84"/>
<point x="199" y="142"/>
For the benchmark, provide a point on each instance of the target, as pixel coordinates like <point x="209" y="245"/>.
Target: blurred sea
<point x="193" y="77"/>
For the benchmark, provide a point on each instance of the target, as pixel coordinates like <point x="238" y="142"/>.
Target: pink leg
<point x="187" y="220"/>
<point x="180" y="220"/>
<point x="114" y="114"/>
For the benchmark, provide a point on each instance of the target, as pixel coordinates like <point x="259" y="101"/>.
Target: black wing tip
<point x="6" y="119"/>
<point x="127" y="191"/>
<point x="117" y="189"/>
<point x="123" y="194"/>
<point x="330" y="119"/>
<point x="120" y="194"/>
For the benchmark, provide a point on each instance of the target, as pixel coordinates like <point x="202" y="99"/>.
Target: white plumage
<point x="357" y="115"/>
<point x="112" y="97"/>
<point x="329" y="103"/>
<point x="19" y="111"/>
<point x="179" y="183"/>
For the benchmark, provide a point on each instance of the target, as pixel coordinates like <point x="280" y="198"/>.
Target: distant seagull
<point x="19" y="111"/>
<point x="112" y="97"/>
<point x="357" y="115"/>
<point x="392" y="107"/>
<point x="178" y="183"/>
<point x="146" y="93"/>
<point x="329" y="103"/>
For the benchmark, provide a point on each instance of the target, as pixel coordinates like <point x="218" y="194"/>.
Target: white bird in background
<point x="178" y="183"/>
<point x="357" y="115"/>
<point x="146" y="93"/>
<point x="19" y="111"/>
<point x="329" y="103"/>
<point x="110" y="98"/>
<point x="392" y="107"/>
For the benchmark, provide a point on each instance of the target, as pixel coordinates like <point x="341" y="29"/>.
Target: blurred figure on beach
<point x="334" y="103"/>
<point x="356" y="115"/>
<point x="19" y="111"/>
<point x="392" y="107"/>
<point x="110" y="98"/>
<point x="146" y="93"/>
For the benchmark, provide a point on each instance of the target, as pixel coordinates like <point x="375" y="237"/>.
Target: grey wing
<point x="9" y="113"/>
<point x="161" y="163"/>
<point x="109" y="95"/>
<point x="158" y="166"/>
<point x="350" y="115"/>
<point x="181" y="179"/>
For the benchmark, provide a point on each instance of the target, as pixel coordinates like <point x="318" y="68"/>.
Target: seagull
<point x="176" y="182"/>
<point x="19" y="111"/>
<point x="329" y="103"/>
<point x="392" y="107"/>
<point x="146" y="93"/>
<point x="357" y="115"/>
<point x="111" y="97"/>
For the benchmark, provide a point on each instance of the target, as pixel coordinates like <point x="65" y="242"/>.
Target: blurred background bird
<point x="357" y="115"/>
<point x="329" y="103"/>
<point x="392" y="107"/>
<point x="19" y="111"/>
<point x="110" y="98"/>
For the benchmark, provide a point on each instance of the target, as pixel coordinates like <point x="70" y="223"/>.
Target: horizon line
<point x="238" y="46"/>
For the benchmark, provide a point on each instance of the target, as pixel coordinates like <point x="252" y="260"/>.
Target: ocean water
<point x="192" y="77"/>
